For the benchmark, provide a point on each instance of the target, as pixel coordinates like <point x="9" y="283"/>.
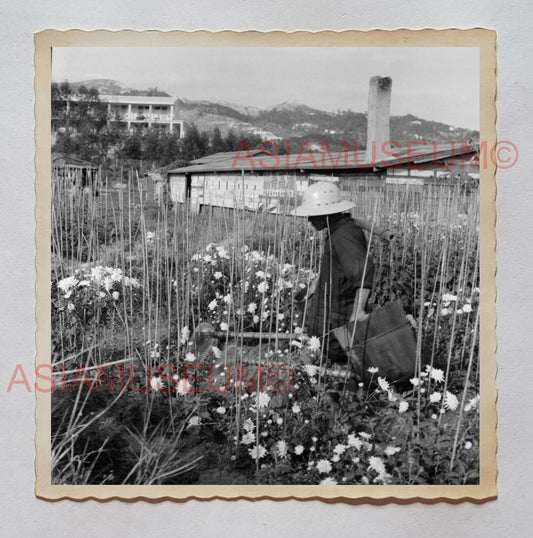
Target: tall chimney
<point x="378" y="117"/>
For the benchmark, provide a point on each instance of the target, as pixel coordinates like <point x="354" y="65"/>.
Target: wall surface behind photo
<point x="24" y="515"/>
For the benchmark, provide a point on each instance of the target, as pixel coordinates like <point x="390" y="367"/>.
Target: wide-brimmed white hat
<point x="323" y="198"/>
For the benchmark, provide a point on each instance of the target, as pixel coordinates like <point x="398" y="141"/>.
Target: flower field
<point x="180" y="355"/>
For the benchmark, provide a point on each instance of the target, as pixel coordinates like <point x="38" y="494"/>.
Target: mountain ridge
<point x="291" y="120"/>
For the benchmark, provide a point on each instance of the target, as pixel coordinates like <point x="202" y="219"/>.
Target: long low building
<point x="254" y="179"/>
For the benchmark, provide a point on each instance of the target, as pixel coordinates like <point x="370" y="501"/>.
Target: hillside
<point x="107" y="86"/>
<point x="298" y="122"/>
<point x="291" y="121"/>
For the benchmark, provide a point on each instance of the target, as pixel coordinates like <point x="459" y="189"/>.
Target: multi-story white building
<point x="138" y="111"/>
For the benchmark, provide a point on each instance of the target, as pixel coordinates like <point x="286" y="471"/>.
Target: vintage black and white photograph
<point x="265" y="266"/>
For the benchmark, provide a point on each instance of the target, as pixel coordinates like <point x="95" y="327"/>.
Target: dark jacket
<point x="342" y="273"/>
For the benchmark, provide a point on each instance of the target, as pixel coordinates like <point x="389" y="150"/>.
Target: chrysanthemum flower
<point x="311" y="370"/>
<point x="323" y="466"/>
<point x="248" y="424"/>
<point x="375" y="463"/>
<point x="262" y="287"/>
<point x="298" y="450"/>
<point x="403" y="406"/>
<point x="183" y="387"/>
<point x="248" y="438"/>
<point x="185" y="334"/>
<point x="155" y="383"/>
<point x="472" y="404"/>
<point x="435" y="397"/>
<point x="354" y="442"/>
<point x="372" y="370"/>
<point x="391" y="450"/>
<point x="314" y="343"/>
<point x="296" y="408"/>
<point x="220" y="410"/>
<point x="450" y="401"/>
<point x="281" y="447"/>
<point x="257" y="452"/>
<point x="212" y="305"/>
<point x="414" y="381"/>
<point x="252" y="307"/>
<point x="67" y="283"/>
<point x="217" y="275"/>
<point x="190" y="357"/>
<point x="194" y="421"/>
<point x="435" y="373"/>
<point x="383" y="384"/>
<point x="340" y="449"/>
<point x="216" y="352"/>
<point x="263" y="399"/>
<point x="224" y="326"/>
<point x="448" y="298"/>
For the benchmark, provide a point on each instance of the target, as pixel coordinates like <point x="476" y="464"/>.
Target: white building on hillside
<point x="138" y="111"/>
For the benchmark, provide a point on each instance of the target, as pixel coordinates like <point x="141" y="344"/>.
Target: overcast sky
<point x="440" y="84"/>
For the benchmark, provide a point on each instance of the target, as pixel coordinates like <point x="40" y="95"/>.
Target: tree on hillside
<point x="80" y="121"/>
<point x="195" y="144"/>
<point x="217" y="142"/>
